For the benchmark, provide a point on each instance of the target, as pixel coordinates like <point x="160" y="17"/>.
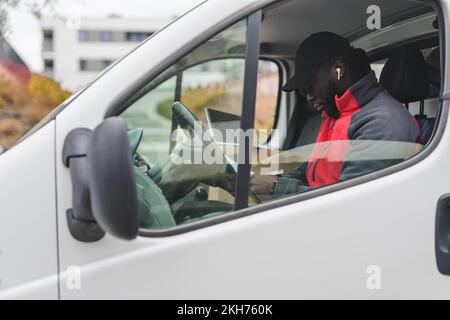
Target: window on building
<point x="137" y="36"/>
<point x="48" y="34"/>
<point x="94" y="65"/>
<point x="106" y="36"/>
<point x="83" y="65"/>
<point x="48" y="65"/>
<point x="83" y="35"/>
<point x="48" y="40"/>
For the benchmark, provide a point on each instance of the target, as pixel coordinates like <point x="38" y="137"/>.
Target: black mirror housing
<point x="112" y="183"/>
<point x="107" y="184"/>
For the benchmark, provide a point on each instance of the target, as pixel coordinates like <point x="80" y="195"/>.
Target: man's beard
<point x="330" y="103"/>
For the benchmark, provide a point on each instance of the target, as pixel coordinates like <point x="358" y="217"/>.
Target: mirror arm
<point x="81" y="221"/>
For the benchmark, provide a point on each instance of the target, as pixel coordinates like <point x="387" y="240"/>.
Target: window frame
<point x="252" y="48"/>
<point x="443" y="112"/>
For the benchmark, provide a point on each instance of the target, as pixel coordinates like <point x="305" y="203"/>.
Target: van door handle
<point x="442" y="236"/>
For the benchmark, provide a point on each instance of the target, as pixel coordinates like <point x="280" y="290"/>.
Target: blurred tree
<point x="36" y="7"/>
<point x="22" y="106"/>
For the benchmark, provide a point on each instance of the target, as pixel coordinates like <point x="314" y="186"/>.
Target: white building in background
<point x="73" y="56"/>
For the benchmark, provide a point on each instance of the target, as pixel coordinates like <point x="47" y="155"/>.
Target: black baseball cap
<point x="312" y="53"/>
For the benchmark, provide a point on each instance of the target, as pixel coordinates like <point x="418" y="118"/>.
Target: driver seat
<point x="153" y="209"/>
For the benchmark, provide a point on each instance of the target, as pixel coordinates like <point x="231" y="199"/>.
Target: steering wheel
<point x="188" y="121"/>
<point x="153" y="208"/>
<point x="155" y="212"/>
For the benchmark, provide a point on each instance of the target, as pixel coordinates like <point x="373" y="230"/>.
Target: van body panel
<point x="28" y="235"/>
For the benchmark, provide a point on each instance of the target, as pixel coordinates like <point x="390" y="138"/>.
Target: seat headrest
<point x="434" y="71"/>
<point x="405" y="76"/>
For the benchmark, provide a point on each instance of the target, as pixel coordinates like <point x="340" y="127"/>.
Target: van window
<point x="203" y="86"/>
<point x="187" y="111"/>
<point x="322" y="149"/>
<point x="204" y="90"/>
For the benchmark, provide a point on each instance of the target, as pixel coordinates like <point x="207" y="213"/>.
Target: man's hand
<point x="263" y="186"/>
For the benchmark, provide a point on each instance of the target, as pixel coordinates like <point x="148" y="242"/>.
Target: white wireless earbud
<point x="339" y="73"/>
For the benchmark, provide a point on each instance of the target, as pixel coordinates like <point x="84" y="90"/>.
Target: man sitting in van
<point x="338" y="82"/>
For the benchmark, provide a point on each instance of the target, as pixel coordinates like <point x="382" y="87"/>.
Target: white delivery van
<point x="94" y="202"/>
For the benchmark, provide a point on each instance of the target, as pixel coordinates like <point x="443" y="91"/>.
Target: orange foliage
<point x="46" y="94"/>
<point x="12" y="92"/>
<point x="21" y="107"/>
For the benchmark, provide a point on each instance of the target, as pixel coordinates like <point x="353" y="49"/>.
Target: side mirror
<point x="104" y="189"/>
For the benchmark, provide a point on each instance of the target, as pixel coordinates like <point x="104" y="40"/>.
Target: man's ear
<point x="339" y="69"/>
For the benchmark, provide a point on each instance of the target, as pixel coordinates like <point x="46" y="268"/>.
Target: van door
<point x="28" y="234"/>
